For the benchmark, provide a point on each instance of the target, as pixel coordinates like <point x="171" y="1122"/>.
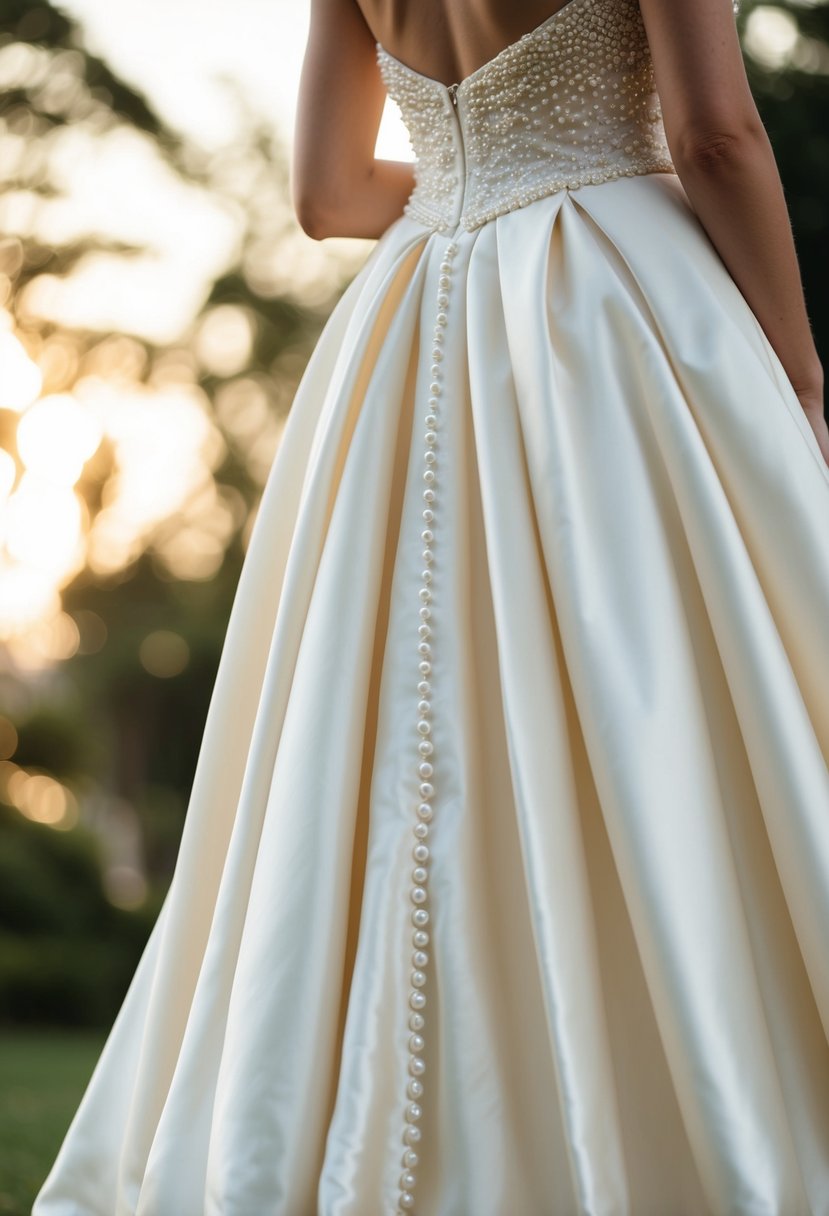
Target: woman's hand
<point x="811" y="399"/>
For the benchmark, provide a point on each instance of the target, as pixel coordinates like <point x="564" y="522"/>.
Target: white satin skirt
<point x="624" y="1001"/>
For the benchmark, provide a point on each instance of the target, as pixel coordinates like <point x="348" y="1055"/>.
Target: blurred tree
<point x="66" y="954"/>
<point x="113" y="708"/>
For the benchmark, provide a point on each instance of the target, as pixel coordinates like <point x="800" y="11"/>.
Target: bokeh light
<point x="772" y="38"/>
<point x="164" y="653"/>
<point x="38" y="796"/>
<point x="43" y="526"/>
<point x="20" y="377"/>
<point x="8" y="738"/>
<point x="125" y="886"/>
<point x="771" y="35"/>
<point x="224" y="339"/>
<point x="56" y="436"/>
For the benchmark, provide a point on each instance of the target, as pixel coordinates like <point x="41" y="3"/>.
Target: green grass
<point x="42" y="1077"/>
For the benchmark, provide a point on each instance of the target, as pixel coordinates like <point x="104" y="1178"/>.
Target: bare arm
<point x="339" y="187"/>
<point x="726" y="165"/>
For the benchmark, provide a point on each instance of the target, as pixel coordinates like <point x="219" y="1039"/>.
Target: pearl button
<point x="569" y="105"/>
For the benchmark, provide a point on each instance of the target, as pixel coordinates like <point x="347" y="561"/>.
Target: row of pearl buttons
<point x="425" y="747"/>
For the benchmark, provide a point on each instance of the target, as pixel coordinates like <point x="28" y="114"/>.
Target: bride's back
<point x="677" y="60"/>
<point x="570" y="102"/>
<point x="449" y="39"/>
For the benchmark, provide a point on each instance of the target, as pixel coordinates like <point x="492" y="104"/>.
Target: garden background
<point x="158" y="303"/>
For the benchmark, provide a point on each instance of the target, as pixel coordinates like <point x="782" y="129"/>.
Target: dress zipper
<point x="452" y="90"/>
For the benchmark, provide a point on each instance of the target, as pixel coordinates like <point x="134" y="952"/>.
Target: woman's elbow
<point x="317" y="198"/>
<point x="313" y="214"/>
<point x="718" y="144"/>
<point x="330" y="204"/>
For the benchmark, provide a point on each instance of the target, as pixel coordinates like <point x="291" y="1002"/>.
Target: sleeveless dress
<point x="504" y="883"/>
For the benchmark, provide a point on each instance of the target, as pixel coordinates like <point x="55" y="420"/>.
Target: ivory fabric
<point x="627" y="986"/>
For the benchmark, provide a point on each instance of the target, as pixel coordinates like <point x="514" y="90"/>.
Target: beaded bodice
<point x="571" y="103"/>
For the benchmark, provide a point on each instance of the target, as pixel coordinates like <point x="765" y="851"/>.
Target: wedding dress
<point x="504" y="883"/>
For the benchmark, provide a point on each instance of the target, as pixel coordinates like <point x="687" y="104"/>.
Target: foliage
<point x="103" y="717"/>
<point x="66" y="954"/>
<point x="44" y="1075"/>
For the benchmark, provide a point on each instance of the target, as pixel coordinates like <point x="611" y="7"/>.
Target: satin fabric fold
<point x="629" y="1009"/>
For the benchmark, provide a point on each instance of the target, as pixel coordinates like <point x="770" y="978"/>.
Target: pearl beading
<point x="425" y="749"/>
<point x="571" y="103"/>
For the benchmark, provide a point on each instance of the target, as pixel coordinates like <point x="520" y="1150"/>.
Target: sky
<point x="176" y="48"/>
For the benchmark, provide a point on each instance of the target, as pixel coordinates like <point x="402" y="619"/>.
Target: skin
<point x="715" y="135"/>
